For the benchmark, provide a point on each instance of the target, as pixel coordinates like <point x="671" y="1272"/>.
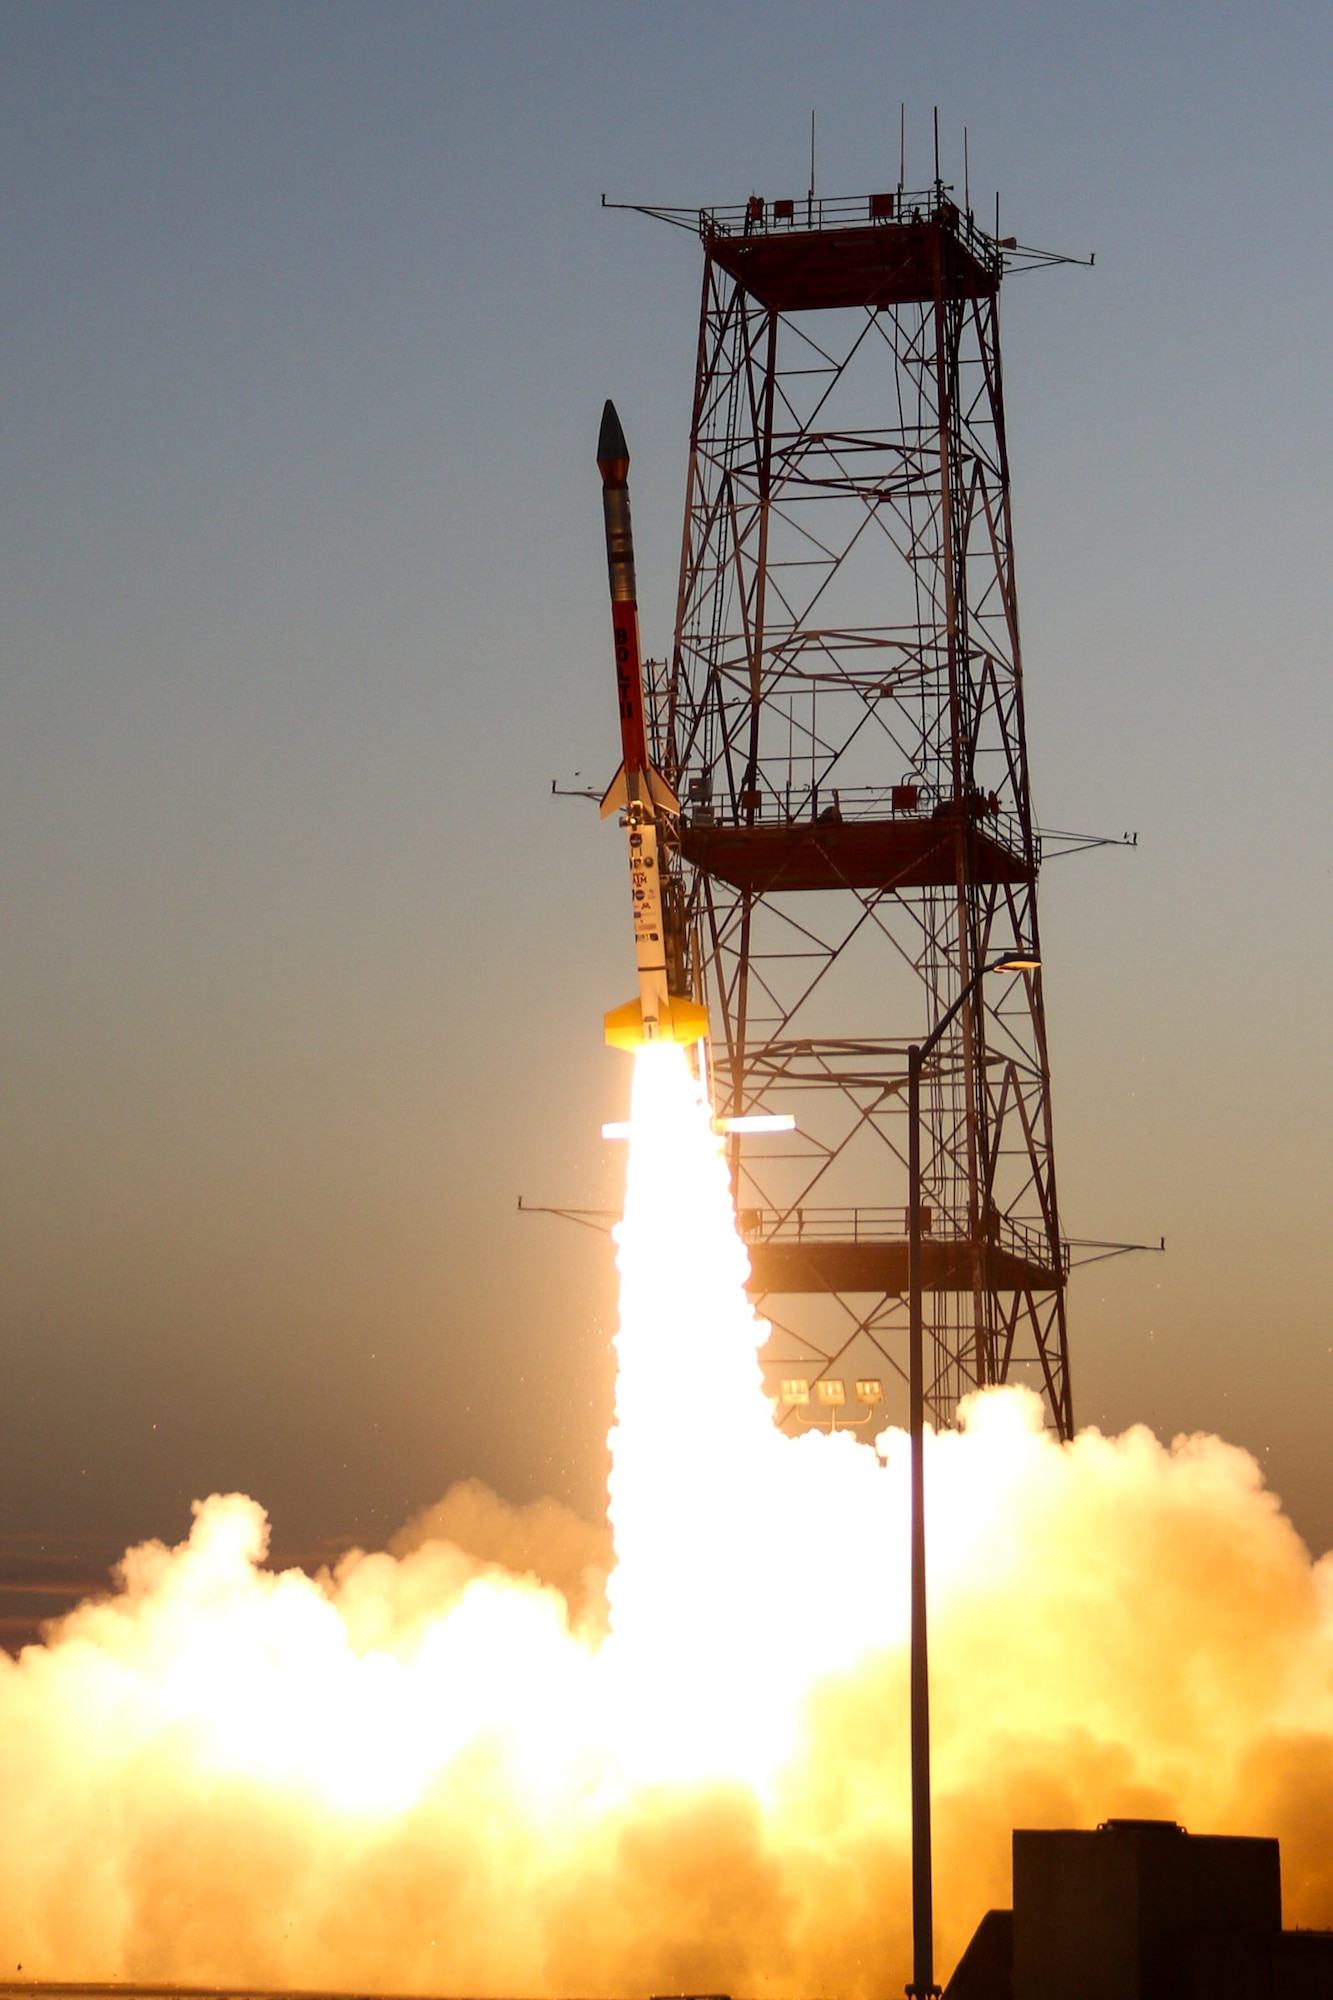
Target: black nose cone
<point x="611" y="446"/>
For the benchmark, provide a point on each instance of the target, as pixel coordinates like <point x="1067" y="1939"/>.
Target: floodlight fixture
<point x="1017" y="960"/>
<point x="756" y="1121"/>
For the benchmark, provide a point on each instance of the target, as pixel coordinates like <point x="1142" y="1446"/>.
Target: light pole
<point x="923" y="1916"/>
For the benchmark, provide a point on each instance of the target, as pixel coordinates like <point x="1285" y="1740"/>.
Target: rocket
<point x="638" y="792"/>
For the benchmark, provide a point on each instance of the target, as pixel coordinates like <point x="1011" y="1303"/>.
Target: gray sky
<point x="308" y="314"/>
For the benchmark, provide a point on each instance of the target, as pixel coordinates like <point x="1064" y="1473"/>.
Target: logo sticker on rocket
<point x="638" y="792"/>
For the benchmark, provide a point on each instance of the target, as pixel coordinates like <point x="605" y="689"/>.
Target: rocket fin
<point x="681" y="1020"/>
<point x="616" y="797"/>
<point x="689" y="1020"/>
<point x="624" y="1026"/>
<point x="661" y="793"/>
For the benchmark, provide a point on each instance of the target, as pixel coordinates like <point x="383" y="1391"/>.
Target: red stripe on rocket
<point x="636" y="781"/>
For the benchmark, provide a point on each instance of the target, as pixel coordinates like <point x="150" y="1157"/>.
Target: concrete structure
<point x="1142" y="1910"/>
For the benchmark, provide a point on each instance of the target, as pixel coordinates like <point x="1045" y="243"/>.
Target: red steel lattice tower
<point x="842" y="719"/>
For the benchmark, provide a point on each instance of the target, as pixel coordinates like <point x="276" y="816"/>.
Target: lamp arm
<point x="933" y="1039"/>
<point x="946" y="1021"/>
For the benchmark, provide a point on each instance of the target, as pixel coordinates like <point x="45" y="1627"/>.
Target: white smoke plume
<point x="435" y="1769"/>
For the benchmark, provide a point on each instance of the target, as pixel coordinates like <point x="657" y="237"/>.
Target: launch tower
<point x="842" y="719"/>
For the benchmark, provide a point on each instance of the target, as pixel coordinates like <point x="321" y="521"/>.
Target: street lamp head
<point x="1017" y="961"/>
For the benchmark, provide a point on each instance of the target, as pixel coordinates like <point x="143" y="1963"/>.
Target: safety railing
<point x="888" y="1225"/>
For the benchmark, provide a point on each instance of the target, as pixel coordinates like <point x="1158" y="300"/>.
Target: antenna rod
<point x="967" y="185"/>
<point x="810" y="197"/>
<point x="902" y="147"/>
<point x="937" y="149"/>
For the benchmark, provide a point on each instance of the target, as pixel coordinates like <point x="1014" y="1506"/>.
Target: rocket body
<point x="645" y="890"/>
<point x="613" y="464"/>
<point x="638" y="791"/>
<point x="636" y="782"/>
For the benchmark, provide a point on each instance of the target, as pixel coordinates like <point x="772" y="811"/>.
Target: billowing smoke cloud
<point x="434" y="1770"/>
<point x="396" y="1776"/>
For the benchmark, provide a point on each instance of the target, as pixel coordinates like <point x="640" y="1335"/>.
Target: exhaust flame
<point x="437" y="1770"/>
<point x="747" y="1562"/>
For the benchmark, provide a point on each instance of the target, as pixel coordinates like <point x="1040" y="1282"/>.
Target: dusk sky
<point x="309" y="312"/>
